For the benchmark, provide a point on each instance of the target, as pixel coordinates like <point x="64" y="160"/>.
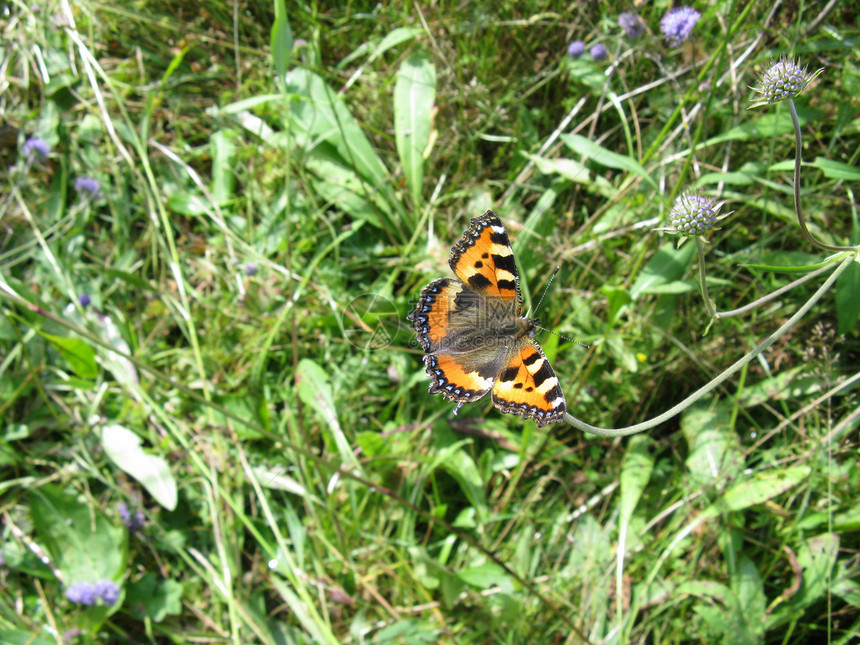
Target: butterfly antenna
<point x="571" y="340"/>
<point x="546" y="289"/>
<point x="563" y="337"/>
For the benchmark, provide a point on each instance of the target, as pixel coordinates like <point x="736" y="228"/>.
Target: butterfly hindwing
<point x="527" y="386"/>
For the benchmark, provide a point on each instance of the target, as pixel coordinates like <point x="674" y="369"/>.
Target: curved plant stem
<point x="758" y="349"/>
<point x="797" y="162"/>
<point x="774" y="294"/>
<point x="709" y="304"/>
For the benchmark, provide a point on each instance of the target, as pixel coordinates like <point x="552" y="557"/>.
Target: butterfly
<point x="473" y="337"/>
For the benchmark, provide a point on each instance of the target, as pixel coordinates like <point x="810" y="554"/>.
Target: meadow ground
<point x="215" y="218"/>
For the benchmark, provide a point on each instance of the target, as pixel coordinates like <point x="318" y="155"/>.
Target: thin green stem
<point x="709" y="304"/>
<point x="797" y="163"/>
<point x="761" y="347"/>
<point x="775" y="294"/>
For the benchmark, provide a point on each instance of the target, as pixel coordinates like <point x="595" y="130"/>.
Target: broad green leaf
<point x="721" y="611"/>
<point x="847" y="302"/>
<point x="414" y="96"/>
<point x="575" y="172"/>
<point x="667" y="265"/>
<point x="123" y="369"/>
<point x="321" y="114"/>
<point x="77" y="353"/>
<point x="337" y="183"/>
<point x="761" y="487"/>
<point x="600" y="155"/>
<point x="82" y="542"/>
<point x="282" y="40"/>
<point x="836" y="169"/>
<point x="635" y="473"/>
<point x="314" y="389"/>
<point x="487" y="575"/>
<point x="11" y="636"/>
<point x="748" y="588"/>
<point x="188" y="203"/>
<point x="731" y="178"/>
<point x="123" y="448"/>
<point x="277" y="480"/>
<point x="459" y="465"/>
<point x="674" y="287"/>
<point x="768" y="126"/>
<point x="392" y="39"/>
<point x="617" y="298"/>
<point x="817" y="557"/>
<point x="223" y="156"/>
<point x="154" y="599"/>
<point x="621" y="351"/>
<point x="784" y="386"/>
<point x="714" y="451"/>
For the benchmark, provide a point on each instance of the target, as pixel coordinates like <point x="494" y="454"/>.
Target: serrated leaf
<point x="77" y="353"/>
<point x="414" y="97"/>
<point x="123" y="448"/>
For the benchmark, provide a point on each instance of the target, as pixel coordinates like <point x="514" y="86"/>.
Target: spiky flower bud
<point x="783" y="79"/>
<point x="693" y="214"/>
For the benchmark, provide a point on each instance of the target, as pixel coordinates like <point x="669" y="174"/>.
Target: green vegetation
<point x="214" y="419"/>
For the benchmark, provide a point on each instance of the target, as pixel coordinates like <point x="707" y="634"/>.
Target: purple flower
<point x="82" y="593"/>
<point x="598" y="52"/>
<point x="84" y="300"/>
<point x="678" y="23"/>
<point x="251" y="269"/>
<point x="693" y="214"/>
<point x="576" y="48"/>
<point x="107" y="591"/>
<point x="134" y="521"/>
<point x="85" y="184"/>
<point x="36" y="145"/>
<point x="87" y="593"/>
<point x="782" y="80"/>
<point x="631" y="24"/>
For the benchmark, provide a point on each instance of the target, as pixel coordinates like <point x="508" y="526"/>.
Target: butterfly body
<point x="473" y="336"/>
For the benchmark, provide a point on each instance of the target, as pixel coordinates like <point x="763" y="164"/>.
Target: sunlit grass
<point x="215" y="338"/>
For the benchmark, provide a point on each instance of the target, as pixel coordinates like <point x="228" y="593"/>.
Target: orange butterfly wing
<point x="473" y="338"/>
